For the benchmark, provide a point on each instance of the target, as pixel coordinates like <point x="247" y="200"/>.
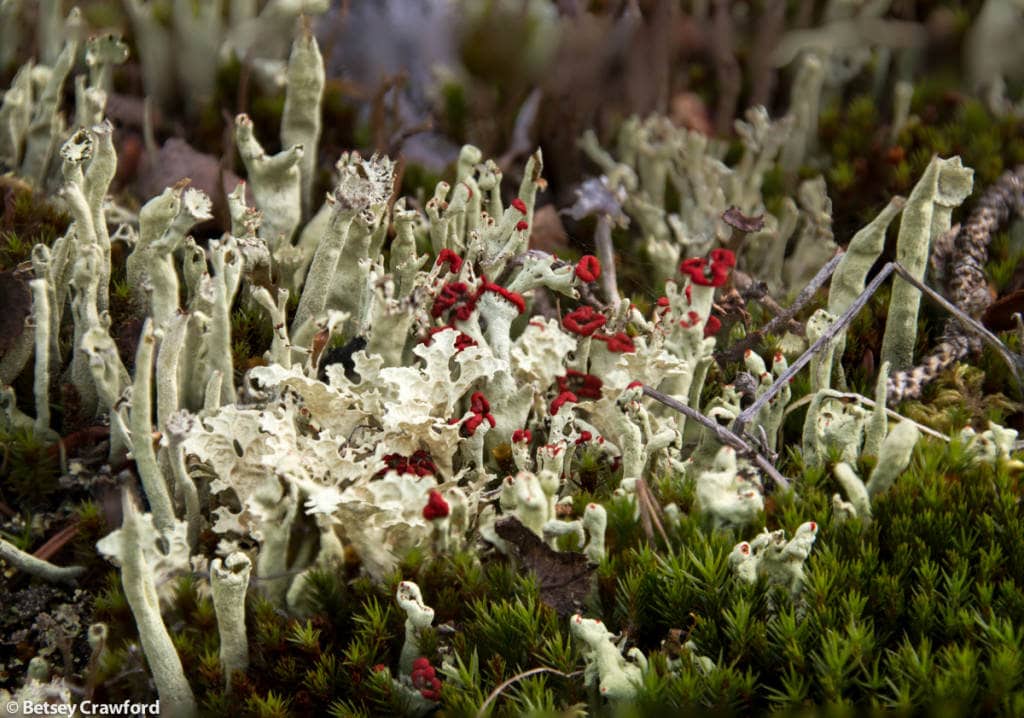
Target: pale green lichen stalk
<point x="944" y="185"/>
<point x="230" y="581"/>
<point x="140" y="590"/>
<point x="418" y="617"/>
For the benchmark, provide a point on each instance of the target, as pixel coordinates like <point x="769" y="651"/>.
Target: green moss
<point x="27" y="219"/>
<point x="31" y="470"/>
<point x="251" y="336"/>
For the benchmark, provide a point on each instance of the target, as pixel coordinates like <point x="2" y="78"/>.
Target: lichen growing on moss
<point x="425" y="462"/>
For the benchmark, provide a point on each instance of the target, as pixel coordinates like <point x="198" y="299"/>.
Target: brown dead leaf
<point x="178" y="160"/>
<point x="687" y="109"/>
<point x="548" y="234"/>
<point x="999" y="315"/>
<point x="563" y="576"/>
<point x="737" y="220"/>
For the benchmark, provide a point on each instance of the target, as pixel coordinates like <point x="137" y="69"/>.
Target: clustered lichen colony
<point x="394" y="452"/>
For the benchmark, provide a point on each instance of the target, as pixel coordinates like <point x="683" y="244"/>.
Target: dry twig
<point x="482" y="711"/>
<point x="737" y="350"/>
<point x="723" y="434"/>
<point x="1014" y="361"/>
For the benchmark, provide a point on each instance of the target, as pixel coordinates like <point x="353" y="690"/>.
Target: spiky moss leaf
<point x="27" y="219"/>
<point x="452" y="581"/>
<point x="624" y="530"/>
<point x="507" y="634"/>
<point x="325" y="679"/>
<point x="462" y="688"/>
<point x="637" y="587"/>
<point x="92" y="526"/>
<point x="272" y="705"/>
<point x="111" y="607"/>
<point x="251" y="336"/>
<point x="32" y="471"/>
<point x="328" y="593"/>
<point x="305" y="637"/>
<point x="592" y="476"/>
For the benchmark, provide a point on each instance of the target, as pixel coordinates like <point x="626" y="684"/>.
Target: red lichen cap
<point x="696" y="268"/>
<point x="425" y="680"/>
<point x="723" y="256"/>
<point x="447" y="256"/>
<point x="583" y="385"/>
<point x="619" y="342"/>
<point x="462" y="341"/>
<point x="521" y="436"/>
<point x="436" y="508"/>
<point x="565" y="396"/>
<point x="512" y="297"/>
<point x="420" y="463"/>
<point x="481" y="410"/>
<point x="522" y="225"/>
<point x="478" y="403"/>
<point x="711" y="326"/>
<point x="470" y="425"/>
<point x="583" y="321"/>
<point x="454" y="294"/>
<point x="519" y="205"/>
<point x="588" y="269"/>
<point x="690" y="320"/>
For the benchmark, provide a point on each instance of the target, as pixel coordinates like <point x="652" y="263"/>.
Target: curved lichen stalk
<point x="944" y="185"/>
<point x="968" y="285"/>
<point x="140" y="590"/>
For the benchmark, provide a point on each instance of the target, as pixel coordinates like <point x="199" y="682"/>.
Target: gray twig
<point x="723" y="434"/>
<point x="737" y="350"/>
<point x="649" y="512"/>
<point x="740" y="424"/>
<point x="482" y="710"/>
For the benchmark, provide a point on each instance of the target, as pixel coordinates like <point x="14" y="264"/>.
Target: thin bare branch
<point x="650" y="511"/>
<point x="861" y="399"/>
<point x="740" y="424"/>
<point x="482" y="711"/>
<point x="1012" y="360"/>
<point x="737" y="350"/>
<point x="723" y="434"/>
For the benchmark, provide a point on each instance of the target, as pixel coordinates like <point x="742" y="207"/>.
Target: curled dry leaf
<point x="999" y="315"/>
<point x="563" y="576"/>
<point x="178" y="160"/>
<point x="736" y="219"/>
<point x="548" y="234"/>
